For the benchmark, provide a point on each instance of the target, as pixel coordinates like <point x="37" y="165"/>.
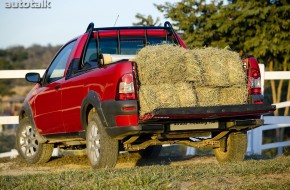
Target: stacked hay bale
<point x="171" y="76"/>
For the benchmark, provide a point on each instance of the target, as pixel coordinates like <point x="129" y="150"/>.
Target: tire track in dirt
<point x="17" y="166"/>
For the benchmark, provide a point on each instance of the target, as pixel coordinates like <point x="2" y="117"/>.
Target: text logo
<point x="28" y="4"/>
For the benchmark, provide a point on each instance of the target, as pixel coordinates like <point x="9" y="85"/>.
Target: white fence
<point x="255" y="145"/>
<point x="255" y="136"/>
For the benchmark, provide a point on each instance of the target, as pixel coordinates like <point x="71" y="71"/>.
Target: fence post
<point x="256" y="139"/>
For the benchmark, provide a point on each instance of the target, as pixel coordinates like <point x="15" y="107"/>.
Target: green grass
<point x="250" y="174"/>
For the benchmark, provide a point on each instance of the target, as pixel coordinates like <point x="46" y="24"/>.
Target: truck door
<point x="47" y="112"/>
<point x="74" y="89"/>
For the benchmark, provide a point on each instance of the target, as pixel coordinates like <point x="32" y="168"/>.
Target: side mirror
<point x="33" y="77"/>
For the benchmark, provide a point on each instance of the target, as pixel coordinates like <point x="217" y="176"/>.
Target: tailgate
<point x="208" y="113"/>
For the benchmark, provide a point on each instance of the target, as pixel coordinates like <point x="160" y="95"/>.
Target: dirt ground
<point x="18" y="166"/>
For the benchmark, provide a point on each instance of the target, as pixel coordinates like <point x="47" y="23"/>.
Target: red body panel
<point x="48" y="116"/>
<point x="103" y="81"/>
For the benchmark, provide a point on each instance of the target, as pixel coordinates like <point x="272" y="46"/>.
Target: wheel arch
<point x="26" y="111"/>
<point x="90" y="102"/>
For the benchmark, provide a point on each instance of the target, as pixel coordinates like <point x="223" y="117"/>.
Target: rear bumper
<point x="234" y="112"/>
<point x="167" y="120"/>
<point x="112" y="110"/>
<point x="124" y="131"/>
<point x="232" y="125"/>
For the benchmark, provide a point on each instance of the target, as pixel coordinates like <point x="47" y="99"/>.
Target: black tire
<point x="235" y="148"/>
<point x="29" y="148"/>
<point x="102" y="150"/>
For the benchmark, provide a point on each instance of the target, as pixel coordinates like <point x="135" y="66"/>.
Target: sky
<point x="67" y="19"/>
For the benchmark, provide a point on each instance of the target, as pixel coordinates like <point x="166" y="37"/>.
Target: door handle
<point x="56" y="87"/>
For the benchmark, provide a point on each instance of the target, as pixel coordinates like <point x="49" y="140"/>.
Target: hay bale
<point x="207" y="96"/>
<point x="186" y="94"/>
<point x="161" y="64"/>
<point x="171" y="76"/>
<point x="166" y="95"/>
<point x="194" y="68"/>
<point x="222" y="67"/>
<point x="157" y="96"/>
<point x="144" y="106"/>
<point x="214" y="64"/>
<point x="233" y="95"/>
<point x="236" y="73"/>
<point x="147" y="99"/>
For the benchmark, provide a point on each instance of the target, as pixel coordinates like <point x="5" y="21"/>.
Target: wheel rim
<point x="28" y="143"/>
<point x="94" y="144"/>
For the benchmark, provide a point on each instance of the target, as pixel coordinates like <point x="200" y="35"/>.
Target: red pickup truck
<point x="87" y="99"/>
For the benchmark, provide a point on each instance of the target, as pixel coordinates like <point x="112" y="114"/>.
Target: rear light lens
<point x="126" y="120"/>
<point x="255" y="81"/>
<point x="126" y="89"/>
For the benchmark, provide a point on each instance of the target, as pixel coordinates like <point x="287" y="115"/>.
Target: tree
<point x="5" y="85"/>
<point x="146" y="21"/>
<point x="193" y="19"/>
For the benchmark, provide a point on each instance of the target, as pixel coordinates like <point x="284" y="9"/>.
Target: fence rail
<point x="18" y="74"/>
<point x="8" y="120"/>
<point x="255" y="136"/>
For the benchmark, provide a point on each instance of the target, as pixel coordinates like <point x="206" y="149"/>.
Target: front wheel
<point x="102" y="150"/>
<point x="234" y="148"/>
<point x="29" y="148"/>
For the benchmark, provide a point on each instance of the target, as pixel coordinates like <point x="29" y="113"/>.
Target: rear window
<point x="129" y="45"/>
<point x="153" y="40"/>
<point x="109" y="45"/>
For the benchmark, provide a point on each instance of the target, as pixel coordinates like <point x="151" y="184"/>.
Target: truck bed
<point x="207" y="113"/>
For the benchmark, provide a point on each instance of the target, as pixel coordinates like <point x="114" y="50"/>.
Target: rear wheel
<point x="102" y="150"/>
<point x="29" y="147"/>
<point x="233" y="148"/>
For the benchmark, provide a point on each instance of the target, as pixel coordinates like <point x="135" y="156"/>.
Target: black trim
<point x="90" y="27"/>
<point x="153" y="127"/>
<point x="74" y="66"/>
<point x="256" y="98"/>
<point x="90" y="32"/>
<point x="107" y="110"/>
<point x="131" y="27"/>
<point x="247" y="122"/>
<point x="122" y="132"/>
<point x="215" y="109"/>
<point x="111" y="108"/>
<point x="213" y="112"/>
<point x="64" y="136"/>
<point x="91" y="99"/>
<point x="168" y="25"/>
<point x="119" y="43"/>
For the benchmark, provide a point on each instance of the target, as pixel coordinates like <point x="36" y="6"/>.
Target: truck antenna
<point x="116" y="20"/>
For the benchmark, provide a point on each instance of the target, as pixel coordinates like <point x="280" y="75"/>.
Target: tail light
<point x="126" y="88"/>
<point x="255" y="81"/>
